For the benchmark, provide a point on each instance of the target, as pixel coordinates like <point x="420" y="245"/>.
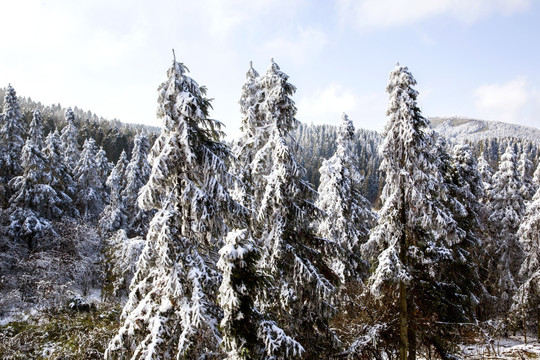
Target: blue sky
<point x="472" y="58"/>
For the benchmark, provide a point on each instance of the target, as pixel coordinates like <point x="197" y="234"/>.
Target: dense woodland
<point x="294" y="241"/>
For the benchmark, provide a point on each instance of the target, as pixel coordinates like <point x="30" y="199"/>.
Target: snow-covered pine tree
<point x="11" y="136"/>
<point x="252" y="139"/>
<point x="506" y="207"/>
<point x="89" y="184"/>
<point x="301" y="293"/>
<point x="60" y="177"/>
<point x="414" y="230"/>
<point x="536" y="175"/>
<point x="35" y="132"/>
<point x="172" y="309"/>
<point x="70" y="137"/>
<point x="113" y="217"/>
<point x="137" y="173"/>
<point x="104" y="167"/>
<point x="527" y="297"/>
<point x="348" y="215"/>
<point x="247" y="333"/>
<point x="34" y="200"/>
<point x="465" y="288"/>
<point x="487" y="177"/>
<point x="528" y="187"/>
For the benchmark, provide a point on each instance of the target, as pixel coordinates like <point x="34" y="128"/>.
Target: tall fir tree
<point x="114" y="217"/>
<point x="348" y="215"/>
<point x="89" y="184"/>
<point x="527" y="297"/>
<point x="525" y="169"/>
<point x="172" y="310"/>
<point x="252" y="139"/>
<point x="137" y="174"/>
<point x="415" y="230"/>
<point x="34" y="201"/>
<point x="301" y="293"/>
<point x="61" y="179"/>
<point x="487" y="177"/>
<point x="69" y="137"/>
<point x="11" y="136"/>
<point x="247" y="333"/>
<point x="536" y="175"/>
<point x="464" y="275"/>
<point x="506" y="207"/>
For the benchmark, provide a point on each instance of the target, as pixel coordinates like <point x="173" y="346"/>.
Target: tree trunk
<point x="403" y="331"/>
<point x="403" y="313"/>
<point x="538" y="323"/>
<point x="412" y="334"/>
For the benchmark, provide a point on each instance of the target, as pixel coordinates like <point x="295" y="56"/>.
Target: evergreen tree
<point x="528" y="187"/>
<point x="89" y="197"/>
<point x="36" y="131"/>
<point x="465" y="285"/>
<point x="252" y="139"/>
<point x="114" y="216"/>
<point x="69" y="137"/>
<point x="172" y="309"/>
<point x="348" y="214"/>
<point x="507" y="207"/>
<point x="247" y="334"/>
<point x="300" y="295"/>
<point x="60" y="178"/>
<point x="536" y="175"/>
<point x="34" y="200"/>
<point x="527" y="297"/>
<point x="486" y="172"/>
<point x="415" y="230"/>
<point x="11" y="136"/>
<point x="137" y="173"/>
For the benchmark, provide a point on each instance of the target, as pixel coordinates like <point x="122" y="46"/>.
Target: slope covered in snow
<point x="471" y="129"/>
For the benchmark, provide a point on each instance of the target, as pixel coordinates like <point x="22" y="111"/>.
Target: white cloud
<point x="325" y="106"/>
<point x="300" y="48"/>
<point x="370" y="14"/>
<point x="514" y="101"/>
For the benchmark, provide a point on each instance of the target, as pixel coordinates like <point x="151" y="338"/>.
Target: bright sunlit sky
<point x="472" y="58"/>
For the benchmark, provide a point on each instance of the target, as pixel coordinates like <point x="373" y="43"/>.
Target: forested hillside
<point x="295" y="242"/>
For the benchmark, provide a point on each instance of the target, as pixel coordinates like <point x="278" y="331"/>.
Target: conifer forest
<point x="292" y="241"/>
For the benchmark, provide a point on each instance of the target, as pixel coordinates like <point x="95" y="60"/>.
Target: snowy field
<point x="511" y="348"/>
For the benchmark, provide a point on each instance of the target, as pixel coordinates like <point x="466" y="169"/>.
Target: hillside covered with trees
<point x="296" y="241"/>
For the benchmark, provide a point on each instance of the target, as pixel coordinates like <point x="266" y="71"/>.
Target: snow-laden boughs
<point x="506" y="207"/>
<point x="172" y="310"/>
<point x="536" y="175"/>
<point x="60" y="177"/>
<point x="486" y="172"/>
<point x="464" y="287"/>
<point x="527" y="297"/>
<point x="413" y="189"/>
<point x="254" y="129"/>
<point x="415" y="231"/>
<point x="348" y="215"/>
<point x="301" y="292"/>
<point x="35" y="132"/>
<point x="122" y="254"/>
<point x="89" y="197"/>
<point x="11" y="136"/>
<point x="69" y="137"/>
<point x="33" y="200"/>
<point x="137" y="173"/>
<point x="114" y="216"/>
<point x="528" y="186"/>
<point x="247" y="334"/>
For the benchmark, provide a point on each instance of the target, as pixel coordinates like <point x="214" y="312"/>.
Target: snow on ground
<point x="513" y="347"/>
